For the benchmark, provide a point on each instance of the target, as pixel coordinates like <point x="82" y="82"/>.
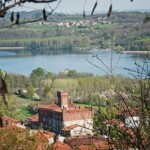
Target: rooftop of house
<point x="61" y="146"/>
<point x="130" y="112"/>
<point x="34" y="118"/>
<point x="12" y="127"/>
<point x="114" y="122"/>
<point x="71" y="108"/>
<point x="88" y="143"/>
<point x="68" y="128"/>
<point x="9" y="120"/>
<point x="47" y="134"/>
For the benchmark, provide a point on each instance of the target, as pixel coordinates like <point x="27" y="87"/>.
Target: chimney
<point x="62" y="99"/>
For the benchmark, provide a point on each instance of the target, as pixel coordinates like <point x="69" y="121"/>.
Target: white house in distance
<point x="132" y="119"/>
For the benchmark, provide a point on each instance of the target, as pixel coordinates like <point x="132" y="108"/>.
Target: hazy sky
<point x="103" y="5"/>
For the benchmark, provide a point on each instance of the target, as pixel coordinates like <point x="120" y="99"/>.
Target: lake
<point x="12" y="63"/>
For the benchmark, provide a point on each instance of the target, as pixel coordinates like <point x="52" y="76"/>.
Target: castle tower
<point x="62" y="99"/>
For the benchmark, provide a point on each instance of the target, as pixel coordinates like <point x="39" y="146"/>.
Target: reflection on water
<point x="7" y="54"/>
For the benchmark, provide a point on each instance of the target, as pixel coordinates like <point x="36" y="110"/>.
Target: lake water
<point x="56" y="63"/>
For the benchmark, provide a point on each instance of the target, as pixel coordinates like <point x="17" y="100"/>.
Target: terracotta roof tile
<point x="51" y="107"/>
<point x="86" y="143"/>
<point x="71" y="108"/>
<point x="61" y="146"/>
<point x="129" y="112"/>
<point x="9" y="119"/>
<point x="12" y="127"/>
<point x="114" y="122"/>
<point x="47" y="134"/>
<point x="68" y="128"/>
<point x="34" y="118"/>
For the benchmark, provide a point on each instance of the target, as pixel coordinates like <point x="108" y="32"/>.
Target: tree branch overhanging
<point x="5" y="6"/>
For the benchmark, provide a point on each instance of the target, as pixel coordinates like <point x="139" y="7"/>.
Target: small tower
<point x="62" y="99"/>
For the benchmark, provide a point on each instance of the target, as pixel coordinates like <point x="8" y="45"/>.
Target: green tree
<point x="30" y="91"/>
<point x="72" y="73"/>
<point x="37" y="75"/>
<point x="39" y="72"/>
<point x="46" y="90"/>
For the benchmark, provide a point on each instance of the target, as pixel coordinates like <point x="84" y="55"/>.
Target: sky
<point x="72" y="6"/>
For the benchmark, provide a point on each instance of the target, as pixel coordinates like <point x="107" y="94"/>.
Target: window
<point x="46" y="126"/>
<point x="59" y="116"/>
<point x="43" y="119"/>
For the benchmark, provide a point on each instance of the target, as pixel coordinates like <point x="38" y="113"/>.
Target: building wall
<point x="132" y="122"/>
<point x="80" y="131"/>
<point x="51" y="140"/>
<point x="52" y="119"/>
<point x="87" y="123"/>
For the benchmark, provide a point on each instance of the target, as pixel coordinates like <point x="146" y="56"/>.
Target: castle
<point x="66" y="118"/>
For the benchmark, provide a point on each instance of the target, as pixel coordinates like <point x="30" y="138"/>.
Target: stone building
<point x="65" y="118"/>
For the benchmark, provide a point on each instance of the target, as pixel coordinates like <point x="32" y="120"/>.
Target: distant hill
<point x="122" y="31"/>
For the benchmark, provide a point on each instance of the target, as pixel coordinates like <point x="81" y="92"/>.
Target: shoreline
<point x="136" y="52"/>
<point x="12" y="48"/>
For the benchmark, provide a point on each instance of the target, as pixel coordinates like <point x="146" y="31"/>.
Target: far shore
<point x="136" y="52"/>
<point x="12" y="48"/>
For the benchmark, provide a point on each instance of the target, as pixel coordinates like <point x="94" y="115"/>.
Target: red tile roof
<point x="132" y="112"/>
<point x="61" y="146"/>
<point x="12" y="127"/>
<point x="129" y="112"/>
<point x="9" y="120"/>
<point x="114" y="122"/>
<point x="47" y="134"/>
<point x="51" y="107"/>
<point x="101" y="145"/>
<point x="86" y="143"/>
<point x="68" y="128"/>
<point x="34" y="118"/>
<point x="71" y="108"/>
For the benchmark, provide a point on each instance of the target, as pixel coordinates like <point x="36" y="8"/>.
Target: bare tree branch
<point x="15" y="3"/>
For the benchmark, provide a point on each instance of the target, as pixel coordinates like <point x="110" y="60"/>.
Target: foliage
<point x="39" y="72"/>
<point x="78" y="85"/>
<point x="27" y="111"/>
<point x="16" y="138"/>
<point x="30" y="91"/>
<point x="112" y="123"/>
<point x="46" y="90"/>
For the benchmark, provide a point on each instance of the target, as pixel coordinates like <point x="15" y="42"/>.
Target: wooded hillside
<point x="73" y="33"/>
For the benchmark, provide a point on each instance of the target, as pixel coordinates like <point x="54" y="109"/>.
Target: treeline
<point x="80" y="86"/>
<point x="49" y="45"/>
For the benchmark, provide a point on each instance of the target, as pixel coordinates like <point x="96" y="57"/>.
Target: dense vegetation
<point x="123" y="31"/>
<point x="77" y="84"/>
<point x="83" y="89"/>
<point x="17" y="138"/>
